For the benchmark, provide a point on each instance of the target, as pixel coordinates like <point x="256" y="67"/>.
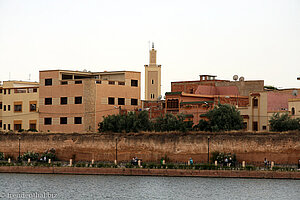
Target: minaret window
<point x="152" y="81"/>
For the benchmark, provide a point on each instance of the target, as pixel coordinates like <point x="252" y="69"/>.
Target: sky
<point x="256" y="39"/>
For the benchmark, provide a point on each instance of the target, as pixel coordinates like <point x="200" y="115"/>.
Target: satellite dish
<point x="235" y="77"/>
<point x="241" y="78"/>
<point x="84" y="70"/>
<point x="159" y="98"/>
<point x="295" y="92"/>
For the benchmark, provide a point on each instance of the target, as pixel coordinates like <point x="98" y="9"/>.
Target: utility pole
<point x="208" y="138"/>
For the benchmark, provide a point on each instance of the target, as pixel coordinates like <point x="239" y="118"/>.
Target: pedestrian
<point x="226" y="161"/>
<point x="299" y="164"/>
<point x="191" y="161"/>
<point x="266" y="162"/>
<point x="230" y="161"/>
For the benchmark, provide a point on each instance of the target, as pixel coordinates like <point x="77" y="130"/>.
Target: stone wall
<point x="283" y="148"/>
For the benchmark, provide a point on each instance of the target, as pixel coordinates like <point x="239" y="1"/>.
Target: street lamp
<point x="208" y="138"/>
<point x="19" y="158"/>
<point x="116" y="161"/>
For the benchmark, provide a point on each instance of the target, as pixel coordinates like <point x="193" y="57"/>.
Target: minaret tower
<point x="152" y="78"/>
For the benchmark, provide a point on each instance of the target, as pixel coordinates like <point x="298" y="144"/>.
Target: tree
<point x="223" y="117"/>
<point x="170" y="122"/>
<point x="131" y="122"/>
<point x="283" y="123"/>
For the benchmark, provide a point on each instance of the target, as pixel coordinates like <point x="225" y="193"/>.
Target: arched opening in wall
<point x="255" y="102"/>
<point x="293" y="111"/>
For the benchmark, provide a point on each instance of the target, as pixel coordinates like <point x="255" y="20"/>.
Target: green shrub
<point x="1" y="156"/>
<point x="32" y="155"/>
<point x="171" y="166"/>
<point x="249" y="167"/>
<point x="32" y="130"/>
<point x="100" y="165"/>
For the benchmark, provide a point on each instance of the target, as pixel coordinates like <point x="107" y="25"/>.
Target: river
<point x="48" y="186"/>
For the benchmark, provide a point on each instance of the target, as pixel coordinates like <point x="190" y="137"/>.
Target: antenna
<point x="29" y="77"/>
<point x="159" y="98"/>
<point x="295" y="92"/>
<point x="235" y="77"/>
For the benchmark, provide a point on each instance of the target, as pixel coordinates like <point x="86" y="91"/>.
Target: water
<point x="29" y="186"/>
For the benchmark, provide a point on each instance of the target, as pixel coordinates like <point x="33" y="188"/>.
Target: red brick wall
<point x="251" y="147"/>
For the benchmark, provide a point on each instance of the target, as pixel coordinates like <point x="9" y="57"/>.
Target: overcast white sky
<point x="257" y="39"/>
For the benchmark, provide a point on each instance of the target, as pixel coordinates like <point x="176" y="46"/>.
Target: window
<point x="255" y="126"/>
<point x="0" y="91"/>
<point x="8" y="127"/>
<point x="48" y="81"/>
<point x="172" y="103"/>
<point x="152" y="96"/>
<point x="78" y="100"/>
<point x="47" y="121"/>
<point x="32" y="106"/>
<point x="4" y="108"/>
<point x="0" y="123"/>
<point x="111" y="101"/>
<point x="18" y="107"/>
<point x="63" y="120"/>
<point x="8" y="91"/>
<point x="264" y="127"/>
<point x="17" y="127"/>
<point x="32" y="126"/>
<point x="8" y="107"/>
<point x="121" y="101"/>
<point x="121" y="83"/>
<point x="66" y="76"/>
<point x="293" y="111"/>
<point x="63" y="100"/>
<point x="64" y="83"/>
<point x="78" y="120"/>
<point x="245" y="125"/>
<point x="4" y="91"/>
<point x="19" y="90"/>
<point x="32" y="90"/>
<point x="78" y="82"/>
<point x="98" y="82"/>
<point x="255" y="102"/>
<point x="48" y="101"/>
<point x="0" y="105"/>
<point x="111" y="82"/>
<point x="134" y="102"/>
<point x="4" y="126"/>
<point x="152" y="81"/>
<point x="134" y="83"/>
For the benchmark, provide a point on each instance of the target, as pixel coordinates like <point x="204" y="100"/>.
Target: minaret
<point x="152" y="78"/>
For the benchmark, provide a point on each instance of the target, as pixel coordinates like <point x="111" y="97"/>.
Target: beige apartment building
<point x="262" y="106"/>
<point x="73" y="101"/>
<point x="19" y="105"/>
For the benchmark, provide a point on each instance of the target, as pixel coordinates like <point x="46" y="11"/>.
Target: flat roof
<point x="87" y="72"/>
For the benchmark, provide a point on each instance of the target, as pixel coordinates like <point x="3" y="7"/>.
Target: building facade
<point x="263" y="105"/>
<point x="152" y="78"/>
<point x="19" y="105"/>
<point x="195" y="98"/>
<point x="72" y="101"/>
